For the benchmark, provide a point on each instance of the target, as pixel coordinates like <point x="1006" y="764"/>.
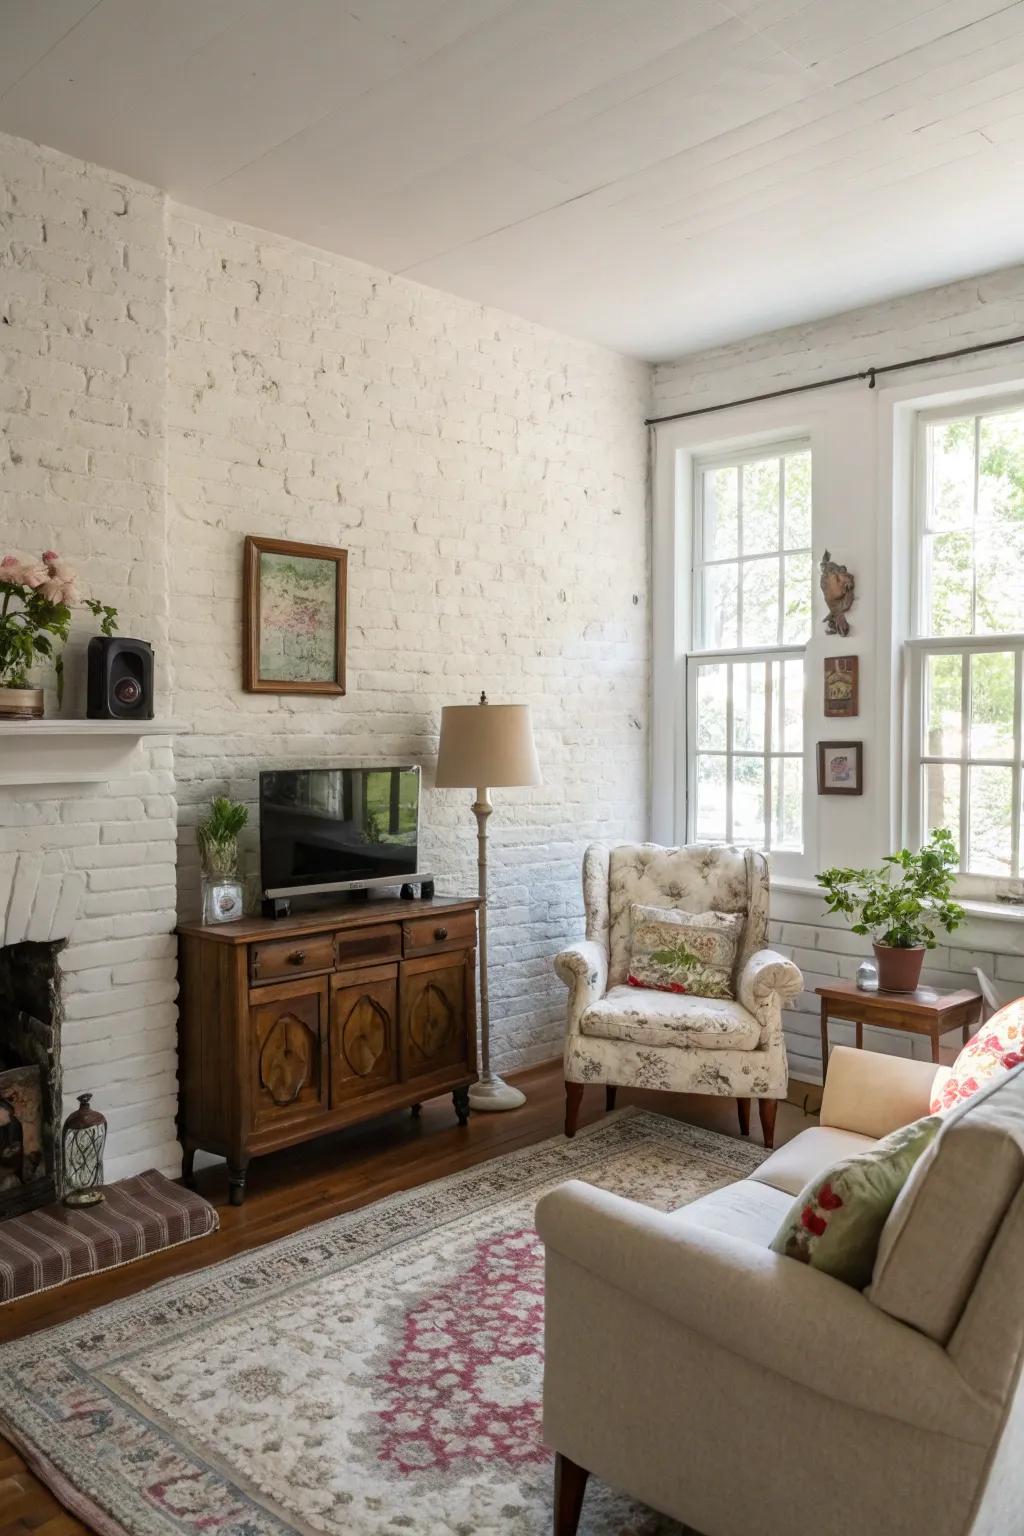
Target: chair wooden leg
<point x="743" y="1110"/>
<point x="609" y="1096"/>
<point x="767" y="1109"/>
<point x="573" y="1100"/>
<point x="570" y="1485"/>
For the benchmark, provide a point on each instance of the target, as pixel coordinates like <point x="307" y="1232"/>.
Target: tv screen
<point x="336" y="827"/>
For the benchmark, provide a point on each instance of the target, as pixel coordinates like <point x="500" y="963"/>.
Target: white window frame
<point x="751" y="455"/>
<point x="698" y="655"/>
<point x="920" y="646"/>
<point x="978" y="406"/>
<point x="767" y="654"/>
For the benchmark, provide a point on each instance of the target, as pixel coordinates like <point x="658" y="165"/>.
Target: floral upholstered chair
<point x="628" y="1036"/>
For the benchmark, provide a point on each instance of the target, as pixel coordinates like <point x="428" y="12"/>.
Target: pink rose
<point x="59" y="586"/>
<point x="11" y="569"/>
<point x="35" y="575"/>
<point x="50" y="556"/>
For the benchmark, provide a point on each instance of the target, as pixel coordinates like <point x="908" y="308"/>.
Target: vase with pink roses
<point x="36" y="599"/>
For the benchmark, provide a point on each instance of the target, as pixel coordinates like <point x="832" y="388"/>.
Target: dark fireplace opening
<point x="30" y="1076"/>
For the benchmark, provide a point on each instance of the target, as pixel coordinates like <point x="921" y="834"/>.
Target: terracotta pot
<point x="21" y="703"/>
<point x="899" y="970"/>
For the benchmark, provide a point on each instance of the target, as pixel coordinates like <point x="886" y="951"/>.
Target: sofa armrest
<point x="872" y="1093"/>
<point x="767" y="982"/>
<point x="790" y="1319"/>
<point x="584" y="969"/>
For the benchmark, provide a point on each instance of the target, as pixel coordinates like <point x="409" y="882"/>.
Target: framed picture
<point x="842" y="687"/>
<point x="840" y="767"/>
<point x="294" y="617"/>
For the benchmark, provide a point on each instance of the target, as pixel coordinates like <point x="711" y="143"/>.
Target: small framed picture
<point x="294" y="617"/>
<point x="840" y="767"/>
<point x="842" y="688"/>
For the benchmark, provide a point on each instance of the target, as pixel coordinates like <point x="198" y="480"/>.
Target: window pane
<point x="1001" y="468"/>
<point x="760" y="602"/>
<point x="990" y="809"/>
<point x="950" y="583"/>
<point x="721" y="515"/>
<point x="719" y="617"/>
<point x="941" y="795"/>
<point x="787" y="706"/>
<point x="951" y="478"/>
<point x="787" y="802"/>
<point x="796" y="619"/>
<point x="760" y="531"/>
<point x="943" y="705"/>
<point x="748" y="678"/>
<point x="748" y="800"/>
<point x="798" y="501"/>
<point x="709" y="821"/>
<point x="992" y="678"/>
<point x="711" y="708"/>
<point x="998" y="555"/>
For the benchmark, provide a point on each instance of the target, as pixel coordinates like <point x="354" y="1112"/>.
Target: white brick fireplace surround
<point x="170" y="382"/>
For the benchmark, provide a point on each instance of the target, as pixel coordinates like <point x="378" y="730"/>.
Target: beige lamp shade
<point x="486" y="746"/>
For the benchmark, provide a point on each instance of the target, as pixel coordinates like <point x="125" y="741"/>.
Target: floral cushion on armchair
<point x="691" y="952"/>
<point x="997" y="1046"/>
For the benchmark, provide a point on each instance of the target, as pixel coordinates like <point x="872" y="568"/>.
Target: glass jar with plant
<point x="900" y="905"/>
<point x="217" y="840"/>
<point x="36" y="598"/>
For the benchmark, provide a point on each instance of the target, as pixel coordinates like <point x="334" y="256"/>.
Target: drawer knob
<point x="296" y="957"/>
<point x="440" y="933"/>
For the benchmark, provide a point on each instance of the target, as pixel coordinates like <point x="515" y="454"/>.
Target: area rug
<point x="376" y="1375"/>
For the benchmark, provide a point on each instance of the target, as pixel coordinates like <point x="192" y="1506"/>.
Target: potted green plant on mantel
<point x="35" y="621"/>
<point x="900" y="906"/>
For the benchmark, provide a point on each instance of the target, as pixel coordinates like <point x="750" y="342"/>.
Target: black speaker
<point x="120" y="679"/>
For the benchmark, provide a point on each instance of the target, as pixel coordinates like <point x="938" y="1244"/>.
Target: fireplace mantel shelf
<point x="72" y="751"/>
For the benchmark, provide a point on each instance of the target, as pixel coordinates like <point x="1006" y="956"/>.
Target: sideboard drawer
<point x="280" y="959"/>
<point x="364" y="946"/>
<point x="434" y="935"/>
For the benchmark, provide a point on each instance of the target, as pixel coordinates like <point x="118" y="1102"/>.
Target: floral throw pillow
<point x="692" y="952"/>
<point x="998" y="1046"/>
<point x="835" y="1224"/>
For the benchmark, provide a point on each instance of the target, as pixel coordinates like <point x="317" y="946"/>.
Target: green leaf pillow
<point x="690" y="952"/>
<point x="835" y="1224"/>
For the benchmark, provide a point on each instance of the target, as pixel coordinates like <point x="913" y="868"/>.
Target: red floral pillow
<point x="998" y="1046"/>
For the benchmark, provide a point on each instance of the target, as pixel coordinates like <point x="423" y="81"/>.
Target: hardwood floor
<point x="293" y="1189"/>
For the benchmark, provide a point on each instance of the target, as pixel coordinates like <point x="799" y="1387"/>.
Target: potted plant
<point x="217" y="839"/>
<point x="35" y="620"/>
<point x="900" y="905"/>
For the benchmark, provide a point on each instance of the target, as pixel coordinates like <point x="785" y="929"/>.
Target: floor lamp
<point x="483" y="747"/>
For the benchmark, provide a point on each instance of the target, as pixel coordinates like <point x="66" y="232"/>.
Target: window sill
<point x="991" y="911"/>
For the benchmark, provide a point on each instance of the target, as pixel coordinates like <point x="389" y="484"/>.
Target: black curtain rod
<point x="842" y="378"/>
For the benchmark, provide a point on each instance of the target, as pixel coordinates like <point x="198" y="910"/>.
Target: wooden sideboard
<point x="295" y="1027"/>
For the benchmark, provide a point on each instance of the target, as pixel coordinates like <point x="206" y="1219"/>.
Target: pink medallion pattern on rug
<point x="462" y="1383"/>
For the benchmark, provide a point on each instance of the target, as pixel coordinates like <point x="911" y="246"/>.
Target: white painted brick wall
<point x="489" y="481"/>
<point x="170" y="382"/>
<point x="981" y="309"/>
<point x="83" y="347"/>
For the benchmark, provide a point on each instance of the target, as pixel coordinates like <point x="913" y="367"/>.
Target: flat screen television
<point x="337" y="829"/>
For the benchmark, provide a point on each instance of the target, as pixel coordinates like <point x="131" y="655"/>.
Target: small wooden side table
<point x="924" y="1012"/>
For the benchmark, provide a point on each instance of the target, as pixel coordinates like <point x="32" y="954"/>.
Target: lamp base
<point x="491" y="1093"/>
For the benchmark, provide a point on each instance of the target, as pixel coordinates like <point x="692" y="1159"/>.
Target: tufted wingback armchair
<point x="622" y="1035"/>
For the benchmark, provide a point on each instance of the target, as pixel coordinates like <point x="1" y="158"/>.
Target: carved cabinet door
<point x="289" y="1060"/>
<point x="364" y="1032"/>
<point x="437" y="1014"/>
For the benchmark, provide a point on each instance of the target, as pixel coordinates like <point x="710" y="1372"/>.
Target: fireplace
<point x="30" y="1076"/>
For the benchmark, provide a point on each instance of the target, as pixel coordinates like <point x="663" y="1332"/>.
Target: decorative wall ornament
<point x="842" y="687"/>
<point x="294" y="617"/>
<point x="840" y="767"/>
<point x="837" y="586"/>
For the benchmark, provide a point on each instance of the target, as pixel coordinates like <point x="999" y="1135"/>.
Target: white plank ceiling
<point x="655" y="175"/>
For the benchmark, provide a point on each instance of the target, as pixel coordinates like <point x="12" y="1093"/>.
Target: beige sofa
<point x="741" y="1391"/>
